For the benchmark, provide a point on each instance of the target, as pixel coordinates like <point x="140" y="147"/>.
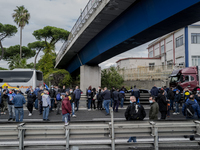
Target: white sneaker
<point x="174" y="113"/>
<point x="74" y="116"/>
<point x="89" y="109"/>
<point x="177" y="113"/>
<point x="67" y="123"/>
<point x="29" y="114"/>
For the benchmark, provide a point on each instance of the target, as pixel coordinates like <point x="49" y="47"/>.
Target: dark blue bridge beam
<point x="142" y="22"/>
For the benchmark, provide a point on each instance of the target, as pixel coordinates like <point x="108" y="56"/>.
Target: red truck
<point x="186" y="77"/>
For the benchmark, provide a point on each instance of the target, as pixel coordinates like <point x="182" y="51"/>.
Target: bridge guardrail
<point x="102" y="134"/>
<point x="85" y="14"/>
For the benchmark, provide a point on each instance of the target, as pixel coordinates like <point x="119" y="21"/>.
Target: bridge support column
<point x="89" y="75"/>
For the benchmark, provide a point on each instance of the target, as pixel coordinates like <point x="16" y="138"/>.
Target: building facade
<point x="179" y="48"/>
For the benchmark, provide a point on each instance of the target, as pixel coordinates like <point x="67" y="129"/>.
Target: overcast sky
<point x="58" y="13"/>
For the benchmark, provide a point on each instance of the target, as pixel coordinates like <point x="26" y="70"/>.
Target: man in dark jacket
<point x="134" y="111"/>
<point x="116" y="98"/>
<point x="135" y="92"/>
<point x="99" y="99"/>
<point x="52" y="94"/>
<point x="72" y="95"/>
<point x="111" y="92"/>
<point x="162" y="104"/>
<point x="4" y="99"/>
<point x="177" y="99"/>
<point x="39" y="97"/>
<point x="170" y="96"/>
<point x="31" y="99"/>
<point x="77" y="93"/>
<point x="153" y="112"/>
<point x="106" y="96"/>
<point x="154" y="91"/>
<point x="191" y="101"/>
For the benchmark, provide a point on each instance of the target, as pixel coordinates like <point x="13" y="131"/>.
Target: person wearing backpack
<point x="58" y="101"/>
<point x="77" y="93"/>
<point x="191" y="109"/>
<point x="134" y="111"/>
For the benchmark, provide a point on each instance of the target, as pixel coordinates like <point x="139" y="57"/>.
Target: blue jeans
<point x="89" y="102"/>
<point x="45" y="112"/>
<point x="19" y="111"/>
<point x="52" y="103"/>
<point x="122" y="102"/>
<point x="77" y="103"/>
<point x="67" y="116"/>
<point x="72" y="104"/>
<point x="177" y="107"/>
<point x="171" y="105"/>
<point x="11" y="111"/>
<point x="36" y="104"/>
<point x="106" y="105"/>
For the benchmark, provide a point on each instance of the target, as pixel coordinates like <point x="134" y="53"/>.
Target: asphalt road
<point x="85" y="115"/>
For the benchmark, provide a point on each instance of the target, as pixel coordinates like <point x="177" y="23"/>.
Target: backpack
<point x="58" y="97"/>
<point x="39" y="96"/>
<point x="135" y="112"/>
<point x="189" y="111"/>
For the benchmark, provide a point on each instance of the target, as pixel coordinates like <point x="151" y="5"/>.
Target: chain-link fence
<point x="148" y="73"/>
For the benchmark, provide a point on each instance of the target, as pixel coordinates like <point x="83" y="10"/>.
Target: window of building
<point x="169" y="64"/>
<point x="162" y="49"/>
<point x="179" y="41"/>
<point x="195" y="60"/>
<point x="151" y="66"/>
<point x="195" y="37"/>
<point x="151" y="54"/>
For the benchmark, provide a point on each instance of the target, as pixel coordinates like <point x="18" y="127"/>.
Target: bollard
<point x="67" y="137"/>
<point x="154" y="133"/>
<point x="113" y="131"/>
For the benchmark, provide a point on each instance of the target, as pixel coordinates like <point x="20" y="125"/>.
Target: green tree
<point x="17" y="62"/>
<point x="3" y="68"/>
<point x="38" y="46"/>
<point x="21" y="17"/>
<point x="59" y="77"/>
<point x="51" y="35"/>
<point x="111" y="78"/>
<point x="6" y="31"/>
<point x="14" y="50"/>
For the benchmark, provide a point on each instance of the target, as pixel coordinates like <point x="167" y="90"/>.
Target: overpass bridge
<point x="107" y="28"/>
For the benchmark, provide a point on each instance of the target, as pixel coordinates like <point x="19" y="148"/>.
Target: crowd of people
<point x="44" y="100"/>
<point x="65" y="100"/>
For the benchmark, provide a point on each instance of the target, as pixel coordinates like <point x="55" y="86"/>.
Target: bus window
<point x="39" y="76"/>
<point x="16" y="76"/>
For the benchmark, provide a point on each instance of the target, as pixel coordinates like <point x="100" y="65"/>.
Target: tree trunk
<point x="20" y="42"/>
<point x="36" y="57"/>
<point x="2" y="51"/>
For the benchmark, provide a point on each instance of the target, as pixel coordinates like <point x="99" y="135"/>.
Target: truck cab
<point x="186" y="77"/>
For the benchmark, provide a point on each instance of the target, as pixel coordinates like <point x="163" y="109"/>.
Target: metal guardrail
<point x="99" y="135"/>
<point x="85" y="15"/>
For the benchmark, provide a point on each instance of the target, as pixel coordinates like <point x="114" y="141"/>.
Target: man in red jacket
<point x="66" y="108"/>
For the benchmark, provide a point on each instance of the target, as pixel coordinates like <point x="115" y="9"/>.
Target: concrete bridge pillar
<point x="90" y="75"/>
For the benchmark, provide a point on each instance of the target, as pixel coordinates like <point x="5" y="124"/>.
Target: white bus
<point x="21" y="77"/>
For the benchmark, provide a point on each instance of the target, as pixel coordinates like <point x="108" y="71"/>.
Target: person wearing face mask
<point x="134" y="111"/>
<point x="31" y="99"/>
<point x="191" y="109"/>
<point x="52" y="94"/>
<point x="153" y="112"/>
<point x="177" y="99"/>
<point x="71" y="94"/>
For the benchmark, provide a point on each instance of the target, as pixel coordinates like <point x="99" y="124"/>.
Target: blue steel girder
<point x="144" y="21"/>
